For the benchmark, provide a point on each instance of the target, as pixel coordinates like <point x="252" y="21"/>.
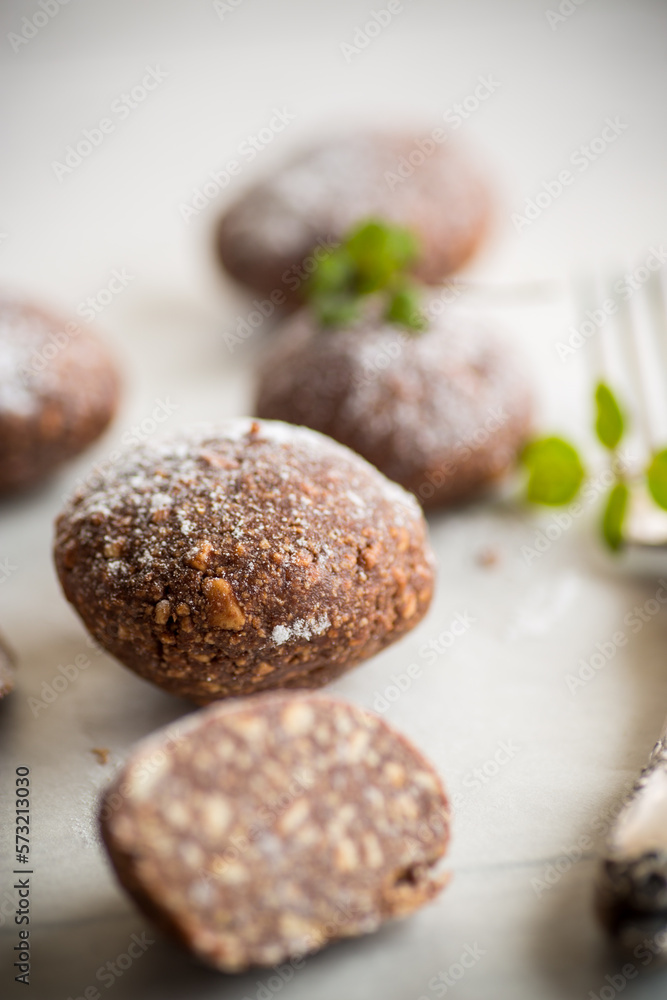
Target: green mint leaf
<point x="614" y="516"/>
<point x="333" y="274"/>
<point x="373" y="259"/>
<point x="555" y="471"/>
<point x="379" y="252"/>
<point x="609" y="420"/>
<point x="403" y="309"/>
<point x="656" y="477"/>
<point x="402" y="246"/>
<point x="337" y="310"/>
<point x="374" y="267"/>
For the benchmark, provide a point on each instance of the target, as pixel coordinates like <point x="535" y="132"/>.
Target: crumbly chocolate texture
<point x="267" y="237"/>
<point x="262" y="829"/>
<point x="444" y="412"/>
<point x="6" y="669"/>
<point x="59" y="390"/>
<point x="252" y="556"/>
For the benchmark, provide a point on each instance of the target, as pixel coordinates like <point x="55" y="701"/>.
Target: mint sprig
<point x="556" y="473"/>
<point x="613" y="517"/>
<point x="609" y="420"/>
<point x="374" y="259"/>
<point x="656" y="478"/>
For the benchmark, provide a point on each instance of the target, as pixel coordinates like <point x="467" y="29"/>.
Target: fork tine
<point x="631" y="891"/>
<point x="656" y="291"/>
<point x="586" y="297"/>
<point x="632" y="323"/>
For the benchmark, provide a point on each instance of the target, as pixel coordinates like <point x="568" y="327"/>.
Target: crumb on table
<point x="487" y="557"/>
<point x="102" y="754"/>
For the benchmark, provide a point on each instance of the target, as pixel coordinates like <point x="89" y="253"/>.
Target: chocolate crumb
<point x="487" y="557"/>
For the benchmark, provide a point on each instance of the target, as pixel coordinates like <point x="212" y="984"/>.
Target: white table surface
<point x="504" y="681"/>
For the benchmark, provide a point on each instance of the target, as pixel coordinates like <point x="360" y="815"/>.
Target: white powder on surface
<point x="300" y="629"/>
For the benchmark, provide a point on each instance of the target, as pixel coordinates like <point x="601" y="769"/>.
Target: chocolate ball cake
<point x="251" y="556"/>
<point x="260" y="830"/>
<point x="272" y="237"/>
<point x="58" y="392"/>
<point x="7" y="675"/>
<point x="444" y="412"/>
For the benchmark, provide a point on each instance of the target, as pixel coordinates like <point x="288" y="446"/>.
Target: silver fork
<point x="629" y="352"/>
<point x="631" y="891"/>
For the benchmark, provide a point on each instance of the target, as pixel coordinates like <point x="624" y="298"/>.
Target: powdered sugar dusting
<point x="328" y="187"/>
<point x="300" y="629"/>
<point x="41" y="356"/>
<point x="416" y="401"/>
<point x="24" y="375"/>
<point x="256" y="504"/>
